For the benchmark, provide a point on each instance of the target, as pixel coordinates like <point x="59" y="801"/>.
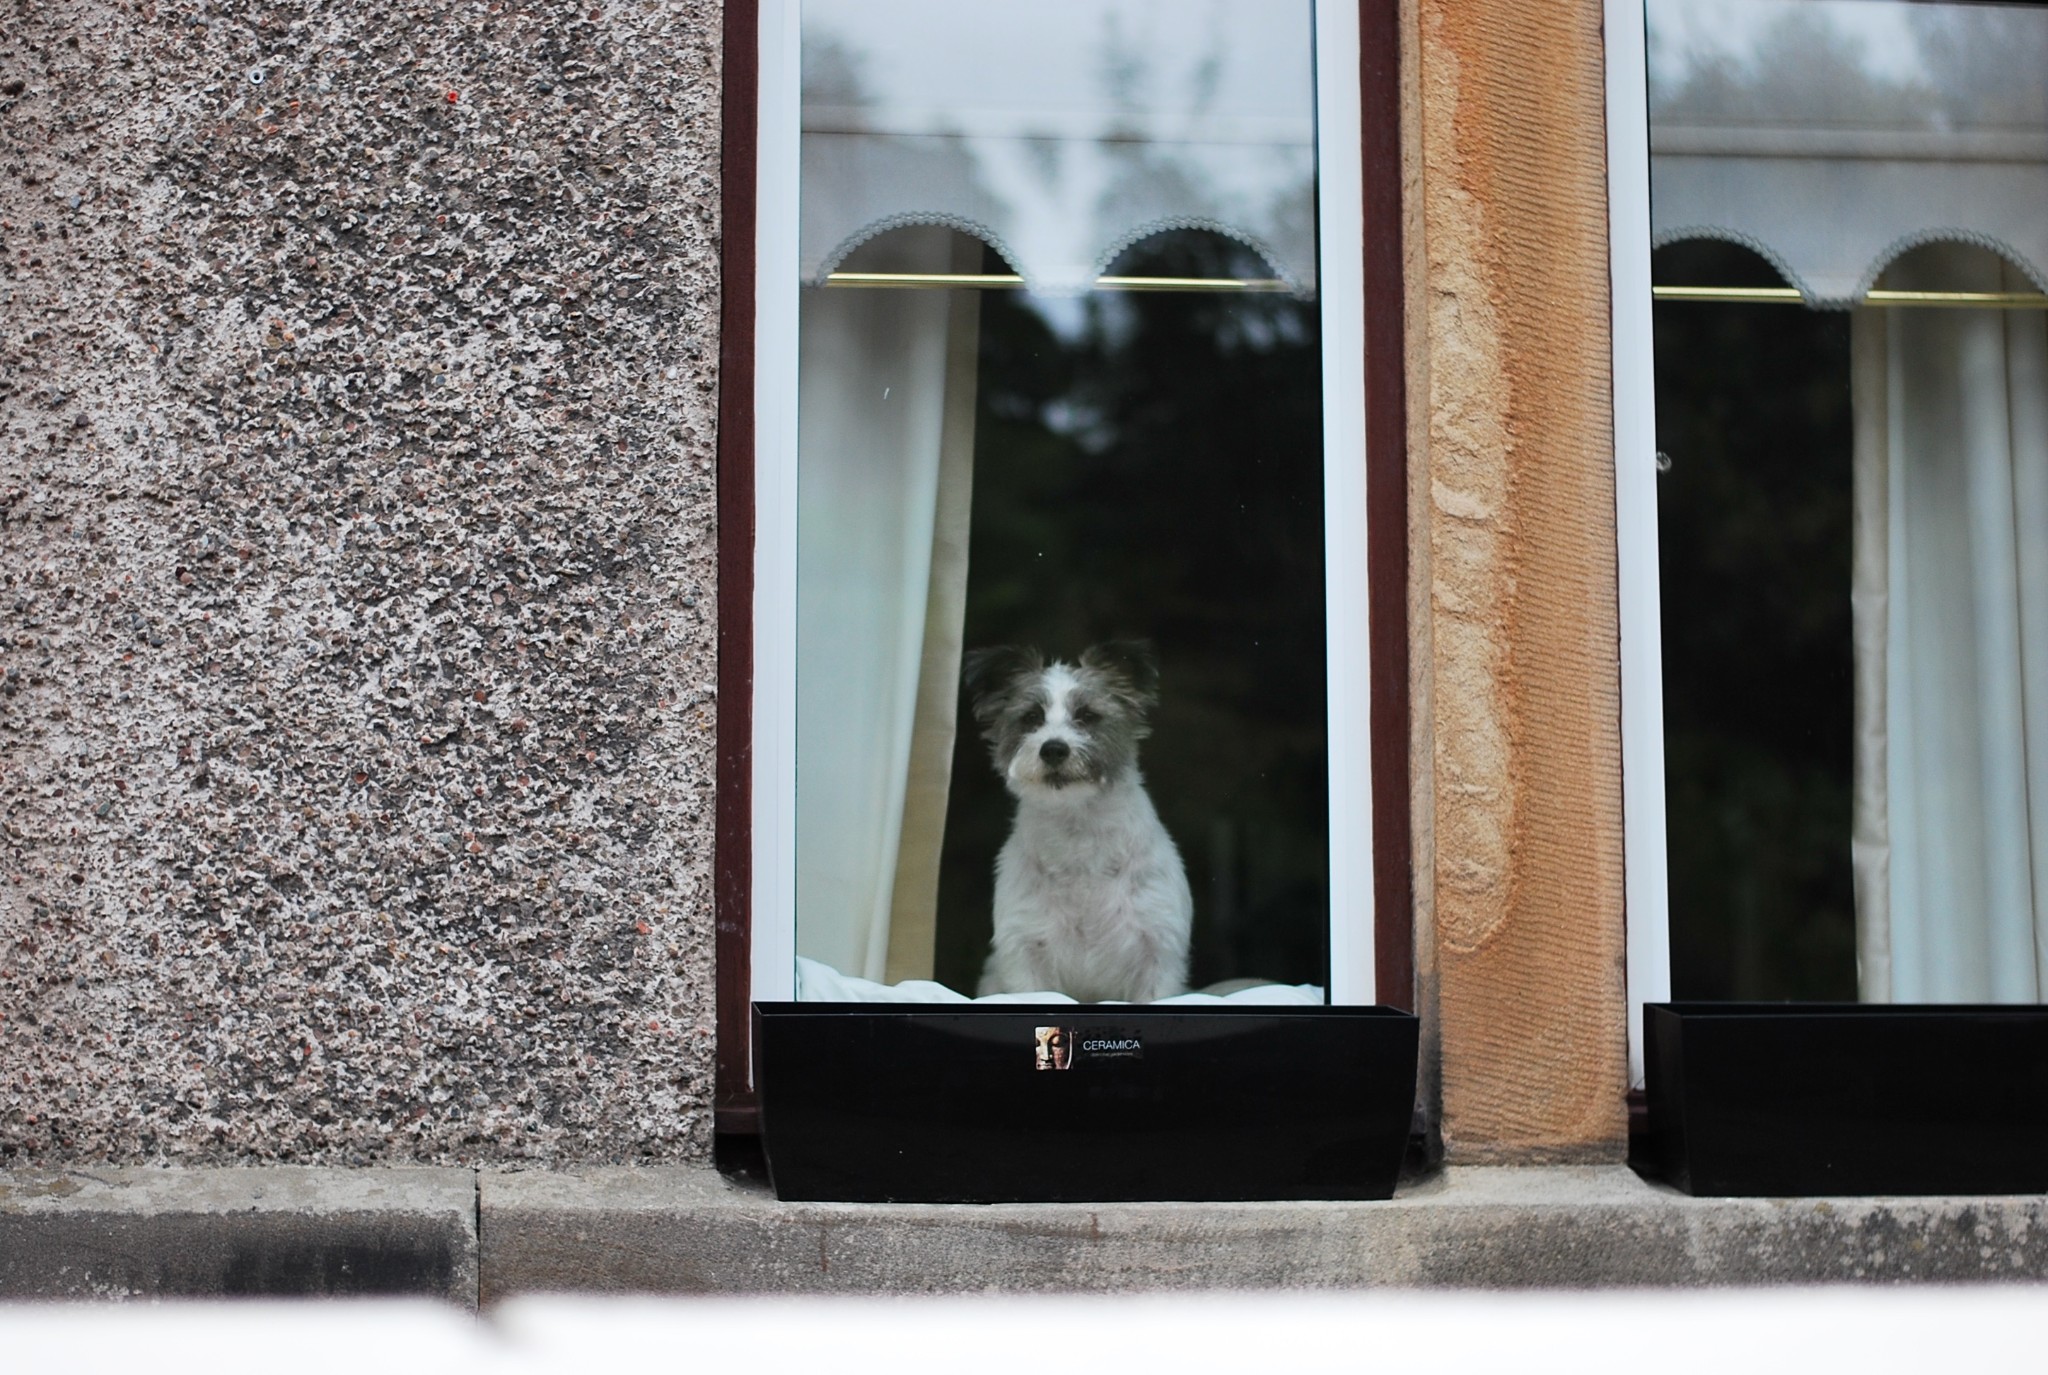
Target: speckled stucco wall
<point x="1513" y="599"/>
<point x="356" y="580"/>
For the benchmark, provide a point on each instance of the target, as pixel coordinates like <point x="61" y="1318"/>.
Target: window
<point x="1833" y="496"/>
<point x="1057" y="338"/>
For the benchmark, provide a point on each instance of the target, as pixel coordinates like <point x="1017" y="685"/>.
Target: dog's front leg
<point x="1014" y="967"/>
<point x="1166" y="976"/>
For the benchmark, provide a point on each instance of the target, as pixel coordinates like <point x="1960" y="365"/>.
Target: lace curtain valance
<point x="1167" y="116"/>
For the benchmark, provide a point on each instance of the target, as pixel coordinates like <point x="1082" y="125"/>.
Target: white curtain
<point x="928" y="783"/>
<point x="1951" y="626"/>
<point x="884" y="454"/>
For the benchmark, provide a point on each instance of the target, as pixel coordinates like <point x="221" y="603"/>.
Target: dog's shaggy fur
<point x="1091" y="899"/>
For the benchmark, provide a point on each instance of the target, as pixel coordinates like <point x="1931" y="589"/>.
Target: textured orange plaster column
<point x="1521" y="843"/>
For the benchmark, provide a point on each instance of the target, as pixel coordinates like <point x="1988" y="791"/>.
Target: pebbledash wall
<point x="356" y="553"/>
<point x="356" y="576"/>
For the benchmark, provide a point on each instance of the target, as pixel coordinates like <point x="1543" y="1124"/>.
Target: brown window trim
<point x="733" y="848"/>
<point x="1386" y="499"/>
<point x="1386" y="428"/>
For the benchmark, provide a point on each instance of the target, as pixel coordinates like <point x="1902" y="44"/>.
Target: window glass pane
<point x="1060" y="397"/>
<point x="1850" y="205"/>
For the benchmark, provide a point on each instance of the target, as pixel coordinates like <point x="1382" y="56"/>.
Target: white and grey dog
<point x="1091" y="899"/>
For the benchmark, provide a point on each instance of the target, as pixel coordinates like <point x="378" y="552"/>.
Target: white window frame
<point x="1647" y="891"/>
<point x="1341" y="296"/>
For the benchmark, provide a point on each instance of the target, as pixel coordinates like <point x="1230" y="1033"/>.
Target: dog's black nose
<point x="1054" y="752"/>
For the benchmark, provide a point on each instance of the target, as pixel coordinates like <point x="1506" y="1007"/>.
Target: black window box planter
<point x="1813" y="1099"/>
<point x="863" y="1102"/>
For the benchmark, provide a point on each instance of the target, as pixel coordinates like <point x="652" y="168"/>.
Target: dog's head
<point x="1055" y="727"/>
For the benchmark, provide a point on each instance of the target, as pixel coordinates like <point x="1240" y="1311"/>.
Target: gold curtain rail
<point x="1785" y="295"/>
<point x="1010" y="281"/>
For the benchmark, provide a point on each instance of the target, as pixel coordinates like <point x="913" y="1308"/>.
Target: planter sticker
<point x="1057" y="1047"/>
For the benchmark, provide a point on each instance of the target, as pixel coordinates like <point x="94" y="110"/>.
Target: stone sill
<point x="469" y="1236"/>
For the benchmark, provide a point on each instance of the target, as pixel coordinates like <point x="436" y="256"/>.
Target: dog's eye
<point x="1087" y="716"/>
<point x="1032" y="719"/>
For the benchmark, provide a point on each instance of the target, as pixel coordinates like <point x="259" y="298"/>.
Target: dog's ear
<point x="1133" y="663"/>
<point x="987" y="673"/>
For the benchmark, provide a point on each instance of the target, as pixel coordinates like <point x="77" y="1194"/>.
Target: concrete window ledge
<point x="92" y="1232"/>
<point x="471" y="1237"/>
<point x="682" y="1231"/>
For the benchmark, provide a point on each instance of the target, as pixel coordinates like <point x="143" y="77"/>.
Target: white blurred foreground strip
<point x="1866" y="1331"/>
